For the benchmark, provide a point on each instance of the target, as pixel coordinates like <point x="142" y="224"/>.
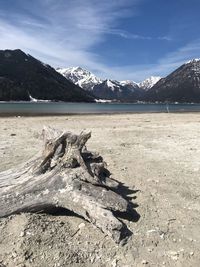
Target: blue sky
<point x="118" y="39"/>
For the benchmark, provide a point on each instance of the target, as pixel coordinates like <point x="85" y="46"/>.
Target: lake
<point x="28" y="108"/>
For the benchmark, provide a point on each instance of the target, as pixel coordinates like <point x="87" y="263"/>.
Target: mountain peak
<point x="81" y="77"/>
<point x="128" y="82"/>
<point x="182" y="85"/>
<point x="194" y="60"/>
<point x="149" y="82"/>
<point x="7" y="53"/>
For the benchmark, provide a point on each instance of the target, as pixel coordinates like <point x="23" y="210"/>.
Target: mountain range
<point x="182" y="85"/>
<point x="25" y="78"/>
<point x="108" y="89"/>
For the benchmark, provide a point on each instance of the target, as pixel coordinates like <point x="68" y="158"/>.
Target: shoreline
<point x="3" y="115"/>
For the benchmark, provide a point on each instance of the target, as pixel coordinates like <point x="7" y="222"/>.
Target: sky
<point x="115" y="39"/>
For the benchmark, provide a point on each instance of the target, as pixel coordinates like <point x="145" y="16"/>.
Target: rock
<point x="144" y="262"/>
<point x="174" y="255"/>
<point x="114" y="263"/>
<point x="22" y="234"/>
<point x="81" y="225"/>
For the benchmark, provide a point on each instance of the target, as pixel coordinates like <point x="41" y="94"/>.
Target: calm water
<point x="78" y="108"/>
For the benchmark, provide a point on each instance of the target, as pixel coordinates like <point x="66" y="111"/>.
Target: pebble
<point x="144" y="262"/>
<point x="114" y="263"/>
<point x="191" y="253"/>
<point x="22" y="234"/>
<point x="174" y="255"/>
<point x="81" y="225"/>
<point x="14" y="254"/>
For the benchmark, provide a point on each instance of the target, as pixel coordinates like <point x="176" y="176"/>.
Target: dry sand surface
<point x="156" y="155"/>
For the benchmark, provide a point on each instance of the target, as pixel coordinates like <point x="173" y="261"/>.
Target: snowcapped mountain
<point x="80" y="77"/>
<point x="182" y="85"/>
<point x="110" y="89"/>
<point x="113" y="85"/>
<point x="107" y="89"/>
<point x="149" y="82"/>
<point x="130" y="84"/>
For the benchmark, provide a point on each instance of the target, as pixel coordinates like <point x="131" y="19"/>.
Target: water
<point x="27" y="108"/>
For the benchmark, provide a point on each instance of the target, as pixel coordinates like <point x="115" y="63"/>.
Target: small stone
<point x="14" y="254"/>
<point x="114" y="263"/>
<point x="162" y="235"/>
<point x="81" y="225"/>
<point x="92" y="259"/>
<point x="174" y="255"/>
<point x="28" y="233"/>
<point x="191" y="253"/>
<point x="144" y="262"/>
<point x="22" y="234"/>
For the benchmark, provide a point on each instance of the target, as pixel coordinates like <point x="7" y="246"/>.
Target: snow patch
<point x="194" y="60"/>
<point x="32" y="99"/>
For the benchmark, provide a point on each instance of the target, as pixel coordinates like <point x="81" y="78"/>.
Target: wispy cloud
<point x="55" y="30"/>
<point x="117" y="32"/>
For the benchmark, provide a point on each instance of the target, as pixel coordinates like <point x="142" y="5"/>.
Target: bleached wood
<point x="65" y="175"/>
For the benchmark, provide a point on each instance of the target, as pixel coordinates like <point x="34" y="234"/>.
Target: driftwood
<point x="66" y="175"/>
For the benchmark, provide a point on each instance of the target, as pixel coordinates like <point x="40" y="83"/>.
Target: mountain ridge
<point x="182" y="85"/>
<point x="25" y="78"/>
<point x="107" y="89"/>
<point x="22" y="75"/>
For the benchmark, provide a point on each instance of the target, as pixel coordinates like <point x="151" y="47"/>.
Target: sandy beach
<point x="155" y="155"/>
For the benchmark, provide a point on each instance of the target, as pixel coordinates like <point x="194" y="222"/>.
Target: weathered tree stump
<point x="66" y="175"/>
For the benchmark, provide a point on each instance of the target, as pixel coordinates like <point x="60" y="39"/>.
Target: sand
<point x="156" y="155"/>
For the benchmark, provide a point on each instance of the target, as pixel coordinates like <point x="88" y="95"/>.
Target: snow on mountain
<point x="149" y="82"/>
<point x="194" y="60"/>
<point x="182" y="85"/>
<point x="80" y="77"/>
<point x="131" y="85"/>
<point x="113" y="85"/>
<point x="129" y="82"/>
<point x="107" y="89"/>
<point x="111" y="89"/>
